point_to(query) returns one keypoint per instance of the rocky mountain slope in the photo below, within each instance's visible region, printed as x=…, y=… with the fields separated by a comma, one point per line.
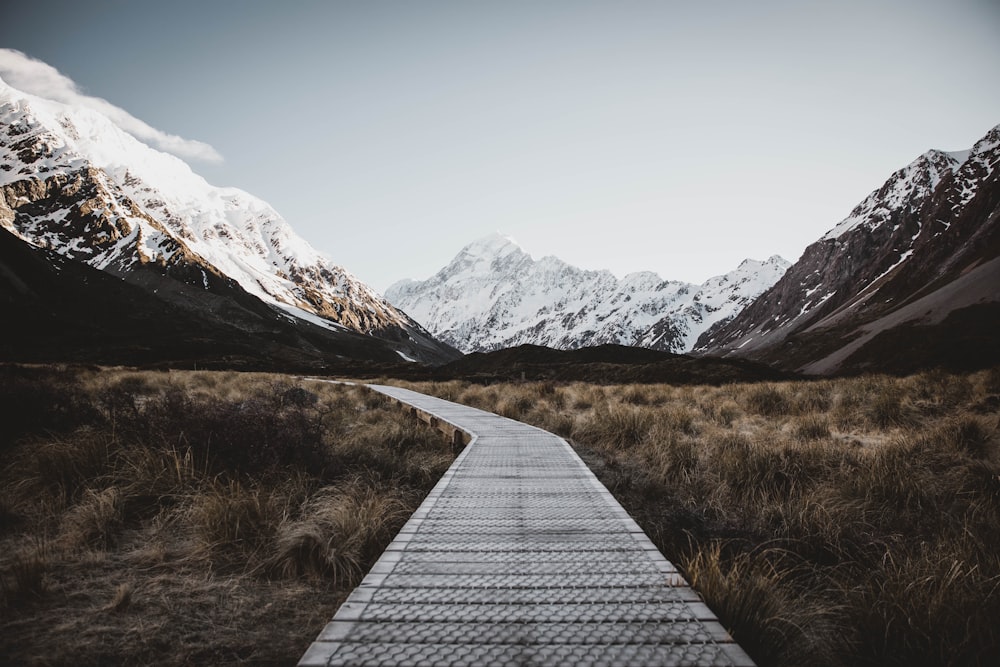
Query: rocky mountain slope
x=73, y=183
x=493, y=295
x=59, y=309
x=910, y=278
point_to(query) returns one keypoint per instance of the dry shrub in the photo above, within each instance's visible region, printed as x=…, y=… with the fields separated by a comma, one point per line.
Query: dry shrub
x=557, y=399
x=812, y=427
x=23, y=573
x=235, y=521
x=65, y=465
x=966, y=434
x=676, y=419
x=41, y=401
x=339, y=535
x=895, y=476
x=755, y=595
x=933, y=607
x=94, y=520
x=122, y=599
x=585, y=396
x=516, y=402
x=555, y=421
x=279, y=426
x=620, y=426
x=722, y=411
x=672, y=458
x=449, y=391
x=152, y=478
x=885, y=409
x=9, y=515
x=636, y=395
x=765, y=472
x=476, y=396
x=389, y=444
x=768, y=400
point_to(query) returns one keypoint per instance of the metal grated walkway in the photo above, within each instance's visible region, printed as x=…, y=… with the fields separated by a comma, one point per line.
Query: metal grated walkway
x=519, y=556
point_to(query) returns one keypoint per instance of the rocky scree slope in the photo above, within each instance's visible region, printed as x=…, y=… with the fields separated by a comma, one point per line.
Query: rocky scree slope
x=494, y=295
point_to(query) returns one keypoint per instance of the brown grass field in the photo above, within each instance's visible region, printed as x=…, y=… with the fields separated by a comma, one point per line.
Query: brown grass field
x=833, y=522
x=192, y=518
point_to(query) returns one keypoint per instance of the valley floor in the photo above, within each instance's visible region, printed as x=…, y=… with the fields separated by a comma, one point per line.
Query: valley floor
x=193, y=518
x=831, y=522
x=181, y=518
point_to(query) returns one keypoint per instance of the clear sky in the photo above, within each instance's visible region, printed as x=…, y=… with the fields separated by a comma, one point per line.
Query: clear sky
x=677, y=137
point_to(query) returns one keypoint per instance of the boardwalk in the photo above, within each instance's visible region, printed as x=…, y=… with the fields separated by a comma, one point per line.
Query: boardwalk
x=519, y=556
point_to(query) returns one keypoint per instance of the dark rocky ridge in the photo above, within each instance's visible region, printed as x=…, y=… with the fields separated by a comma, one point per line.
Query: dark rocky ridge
x=896, y=297
x=60, y=310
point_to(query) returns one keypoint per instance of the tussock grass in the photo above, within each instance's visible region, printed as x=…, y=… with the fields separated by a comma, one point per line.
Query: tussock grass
x=759, y=590
x=834, y=522
x=621, y=426
x=769, y=400
x=173, y=518
x=342, y=529
x=23, y=578
x=812, y=427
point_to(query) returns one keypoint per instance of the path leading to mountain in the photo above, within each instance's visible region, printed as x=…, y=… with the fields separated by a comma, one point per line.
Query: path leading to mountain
x=519, y=556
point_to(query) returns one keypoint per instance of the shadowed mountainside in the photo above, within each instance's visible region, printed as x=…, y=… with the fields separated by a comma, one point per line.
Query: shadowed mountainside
x=63, y=310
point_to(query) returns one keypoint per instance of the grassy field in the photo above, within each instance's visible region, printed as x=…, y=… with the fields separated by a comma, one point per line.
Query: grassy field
x=192, y=518
x=220, y=518
x=835, y=522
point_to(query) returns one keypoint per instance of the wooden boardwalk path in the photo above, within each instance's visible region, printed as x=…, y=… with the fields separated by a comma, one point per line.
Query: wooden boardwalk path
x=519, y=556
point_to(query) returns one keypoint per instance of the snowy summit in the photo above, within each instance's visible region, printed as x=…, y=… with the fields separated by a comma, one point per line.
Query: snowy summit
x=494, y=295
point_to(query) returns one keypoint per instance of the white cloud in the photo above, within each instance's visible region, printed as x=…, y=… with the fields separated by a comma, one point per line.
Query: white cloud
x=41, y=79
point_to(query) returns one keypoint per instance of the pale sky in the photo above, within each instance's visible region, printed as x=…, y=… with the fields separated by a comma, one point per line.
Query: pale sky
x=676, y=137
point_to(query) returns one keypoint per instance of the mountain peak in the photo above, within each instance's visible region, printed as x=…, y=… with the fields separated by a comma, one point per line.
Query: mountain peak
x=904, y=189
x=773, y=260
x=110, y=200
x=494, y=295
x=493, y=245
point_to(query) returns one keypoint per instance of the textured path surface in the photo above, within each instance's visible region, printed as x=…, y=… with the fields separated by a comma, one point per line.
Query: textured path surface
x=520, y=556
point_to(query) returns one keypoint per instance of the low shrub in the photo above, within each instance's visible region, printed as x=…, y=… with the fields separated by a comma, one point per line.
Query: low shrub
x=95, y=520
x=23, y=577
x=812, y=427
x=767, y=400
x=754, y=594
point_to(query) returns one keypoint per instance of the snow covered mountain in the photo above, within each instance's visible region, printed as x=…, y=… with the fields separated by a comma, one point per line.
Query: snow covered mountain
x=911, y=277
x=493, y=295
x=73, y=182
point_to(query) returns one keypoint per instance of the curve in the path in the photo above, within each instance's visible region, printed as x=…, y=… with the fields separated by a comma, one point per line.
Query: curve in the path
x=520, y=556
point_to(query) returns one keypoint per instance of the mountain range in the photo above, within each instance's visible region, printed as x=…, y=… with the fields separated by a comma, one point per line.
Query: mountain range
x=74, y=184
x=111, y=251
x=494, y=295
x=910, y=279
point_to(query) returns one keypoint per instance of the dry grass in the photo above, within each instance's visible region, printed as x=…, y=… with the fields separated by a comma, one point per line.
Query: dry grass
x=192, y=518
x=833, y=522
